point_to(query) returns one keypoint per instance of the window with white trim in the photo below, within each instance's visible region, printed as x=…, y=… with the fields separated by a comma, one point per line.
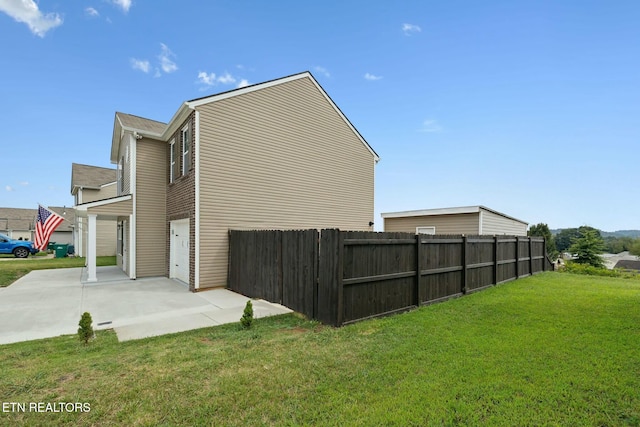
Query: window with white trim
x=186, y=146
x=172, y=161
x=426, y=230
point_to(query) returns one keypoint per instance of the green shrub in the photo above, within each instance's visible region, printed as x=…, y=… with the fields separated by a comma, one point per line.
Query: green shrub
x=577, y=268
x=85, y=331
x=247, y=316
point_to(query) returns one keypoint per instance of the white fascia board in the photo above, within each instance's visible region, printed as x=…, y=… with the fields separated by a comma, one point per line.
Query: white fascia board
x=176, y=121
x=431, y=212
x=108, y=184
x=196, y=148
x=83, y=207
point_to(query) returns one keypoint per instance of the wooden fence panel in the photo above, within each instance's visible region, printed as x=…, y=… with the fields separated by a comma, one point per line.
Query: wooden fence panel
x=379, y=272
x=441, y=270
x=507, y=264
x=255, y=264
x=330, y=290
x=299, y=271
x=481, y=262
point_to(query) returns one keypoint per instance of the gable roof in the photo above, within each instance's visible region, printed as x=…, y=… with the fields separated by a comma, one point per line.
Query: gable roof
x=628, y=264
x=94, y=177
x=161, y=131
x=447, y=211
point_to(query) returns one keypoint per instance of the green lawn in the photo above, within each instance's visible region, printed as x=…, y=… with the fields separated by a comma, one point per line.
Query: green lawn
x=12, y=270
x=553, y=349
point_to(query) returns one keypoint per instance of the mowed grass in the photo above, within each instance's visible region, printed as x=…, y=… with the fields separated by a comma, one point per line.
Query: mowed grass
x=553, y=349
x=12, y=270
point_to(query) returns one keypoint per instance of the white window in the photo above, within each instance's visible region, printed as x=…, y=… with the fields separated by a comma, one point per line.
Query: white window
x=186, y=145
x=172, y=161
x=425, y=230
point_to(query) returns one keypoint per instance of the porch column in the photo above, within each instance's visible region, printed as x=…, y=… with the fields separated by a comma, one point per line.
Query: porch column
x=91, y=249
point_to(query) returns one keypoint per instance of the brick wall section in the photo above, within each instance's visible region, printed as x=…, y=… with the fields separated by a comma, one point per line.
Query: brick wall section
x=181, y=199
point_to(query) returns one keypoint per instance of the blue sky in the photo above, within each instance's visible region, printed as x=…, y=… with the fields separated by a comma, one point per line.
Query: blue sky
x=531, y=108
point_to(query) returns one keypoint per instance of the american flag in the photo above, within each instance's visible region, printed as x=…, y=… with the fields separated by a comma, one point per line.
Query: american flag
x=46, y=223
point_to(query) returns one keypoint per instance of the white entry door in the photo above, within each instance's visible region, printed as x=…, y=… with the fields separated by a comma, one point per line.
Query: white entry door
x=179, y=258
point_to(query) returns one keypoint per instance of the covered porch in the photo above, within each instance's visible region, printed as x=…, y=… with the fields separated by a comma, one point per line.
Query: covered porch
x=118, y=209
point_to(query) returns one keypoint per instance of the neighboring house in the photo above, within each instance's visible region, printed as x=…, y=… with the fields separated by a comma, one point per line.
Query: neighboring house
x=88, y=184
x=275, y=155
x=470, y=220
x=20, y=224
x=628, y=264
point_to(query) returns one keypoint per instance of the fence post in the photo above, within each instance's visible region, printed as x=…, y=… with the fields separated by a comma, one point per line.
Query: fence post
x=544, y=254
x=517, y=257
x=464, y=264
x=495, y=260
x=530, y=256
x=416, y=291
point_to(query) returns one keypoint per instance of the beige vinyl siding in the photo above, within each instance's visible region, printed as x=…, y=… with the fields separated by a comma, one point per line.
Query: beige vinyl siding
x=277, y=158
x=444, y=224
x=497, y=224
x=105, y=228
x=150, y=198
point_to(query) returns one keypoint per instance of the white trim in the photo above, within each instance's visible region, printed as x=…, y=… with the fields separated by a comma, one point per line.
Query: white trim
x=83, y=207
x=133, y=170
x=196, y=152
x=108, y=184
x=91, y=249
x=172, y=160
x=421, y=230
x=131, y=250
x=185, y=136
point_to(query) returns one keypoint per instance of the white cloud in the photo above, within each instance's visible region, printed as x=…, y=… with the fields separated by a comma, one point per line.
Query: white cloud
x=227, y=79
x=166, y=63
x=139, y=64
x=91, y=12
x=409, y=29
x=8, y=188
x=430, y=126
x=212, y=79
x=24, y=183
x=322, y=70
x=207, y=79
x=372, y=77
x=27, y=11
x=125, y=5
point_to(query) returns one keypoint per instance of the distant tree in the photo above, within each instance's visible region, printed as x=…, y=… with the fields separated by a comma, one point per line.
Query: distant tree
x=542, y=230
x=564, y=237
x=588, y=247
x=615, y=245
x=635, y=248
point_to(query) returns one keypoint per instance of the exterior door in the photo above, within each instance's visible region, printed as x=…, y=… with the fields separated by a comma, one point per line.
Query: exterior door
x=179, y=257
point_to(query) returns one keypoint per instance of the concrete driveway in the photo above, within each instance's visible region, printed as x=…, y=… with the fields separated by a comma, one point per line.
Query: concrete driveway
x=48, y=303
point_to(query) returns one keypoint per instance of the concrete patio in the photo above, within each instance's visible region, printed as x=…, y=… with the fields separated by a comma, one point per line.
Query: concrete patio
x=49, y=303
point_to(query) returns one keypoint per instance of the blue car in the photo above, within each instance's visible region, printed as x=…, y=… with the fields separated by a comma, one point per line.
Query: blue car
x=19, y=248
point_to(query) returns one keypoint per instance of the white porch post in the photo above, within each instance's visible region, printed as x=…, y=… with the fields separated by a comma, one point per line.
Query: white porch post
x=91, y=249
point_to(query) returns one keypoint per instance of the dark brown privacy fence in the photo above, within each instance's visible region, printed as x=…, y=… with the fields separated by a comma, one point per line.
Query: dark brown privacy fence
x=340, y=277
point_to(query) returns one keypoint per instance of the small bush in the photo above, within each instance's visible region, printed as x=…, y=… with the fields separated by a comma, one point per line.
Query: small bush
x=247, y=316
x=85, y=331
x=576, y=268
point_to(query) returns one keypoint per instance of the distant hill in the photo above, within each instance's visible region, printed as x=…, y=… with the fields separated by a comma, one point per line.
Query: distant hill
x=619, y=233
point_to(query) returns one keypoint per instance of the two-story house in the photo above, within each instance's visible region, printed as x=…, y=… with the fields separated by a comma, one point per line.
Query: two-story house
x=274, y=155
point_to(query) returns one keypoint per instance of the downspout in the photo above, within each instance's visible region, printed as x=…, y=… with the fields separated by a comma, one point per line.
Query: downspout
x=196, y=148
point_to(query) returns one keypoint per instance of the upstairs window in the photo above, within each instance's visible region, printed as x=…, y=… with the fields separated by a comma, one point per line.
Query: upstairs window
x=185, y=136
x=173, y=165
x=425, y=230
